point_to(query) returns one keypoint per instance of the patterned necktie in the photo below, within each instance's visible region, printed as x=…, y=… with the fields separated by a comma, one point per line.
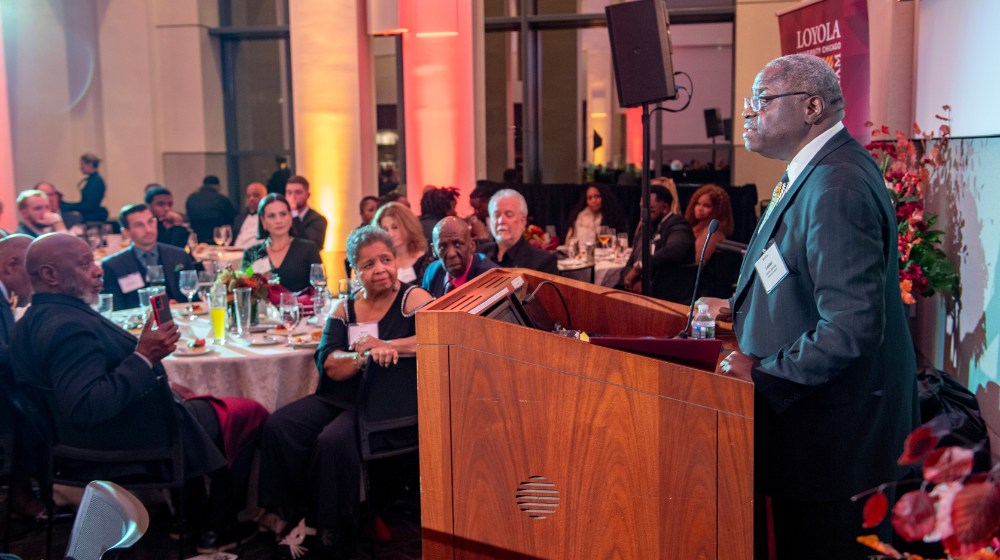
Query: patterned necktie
x=448, y=286
x=779, y=190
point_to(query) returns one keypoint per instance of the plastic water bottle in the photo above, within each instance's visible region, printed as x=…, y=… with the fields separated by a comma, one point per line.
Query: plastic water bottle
x=703, y=325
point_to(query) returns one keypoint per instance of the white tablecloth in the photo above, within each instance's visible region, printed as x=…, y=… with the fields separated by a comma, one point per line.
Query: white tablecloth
x=223, y=255
x=271, y=375
x=606, y=272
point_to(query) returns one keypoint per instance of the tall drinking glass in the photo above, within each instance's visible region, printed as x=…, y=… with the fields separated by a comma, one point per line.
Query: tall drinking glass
x=144, y=303
x=289, y=309
x=343, y=288
x=320, y=304
x=217, y=308
x=104, y=304
x=241, y=300
x=154, y=275
x=188, y=283
x=622, y=243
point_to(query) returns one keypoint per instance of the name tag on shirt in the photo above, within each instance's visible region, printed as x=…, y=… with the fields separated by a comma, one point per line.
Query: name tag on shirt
x=771, y=267
x=131, y=283
x=261, y=266
x=357, y=330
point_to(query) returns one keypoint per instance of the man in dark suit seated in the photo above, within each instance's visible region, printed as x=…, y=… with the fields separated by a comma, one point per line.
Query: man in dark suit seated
x=207, y=210
x=457, y=261
x=245, y=225
x=161, y=203
x=673, y=246
x=107, y=390
x=508, y=218
x=125, y=271
x=818, y=314
x=306, y=222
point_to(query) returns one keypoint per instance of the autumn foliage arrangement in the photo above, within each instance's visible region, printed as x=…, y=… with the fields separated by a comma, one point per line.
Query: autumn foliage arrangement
x=953, y=506
x=232, y=279
x=906, y=166
x=537, y=237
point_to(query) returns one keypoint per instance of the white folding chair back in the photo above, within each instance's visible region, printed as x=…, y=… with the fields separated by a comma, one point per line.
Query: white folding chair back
x=109, y=517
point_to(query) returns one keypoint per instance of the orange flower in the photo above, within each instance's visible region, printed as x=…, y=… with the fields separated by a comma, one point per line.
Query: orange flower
x=905, y=286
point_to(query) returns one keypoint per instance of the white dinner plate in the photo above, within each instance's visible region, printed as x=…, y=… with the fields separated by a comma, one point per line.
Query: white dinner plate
x=264, y=340
x=185, y=351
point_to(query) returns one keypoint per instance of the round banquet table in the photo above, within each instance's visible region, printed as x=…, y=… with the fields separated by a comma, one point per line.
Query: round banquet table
x=271, y=375
x=222, y=255
x=606, y=272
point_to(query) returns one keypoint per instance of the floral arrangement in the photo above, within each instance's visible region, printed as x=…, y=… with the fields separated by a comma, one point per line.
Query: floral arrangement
x=923, y=267
x=537, y=237
x=232, y=279
x=953, y=505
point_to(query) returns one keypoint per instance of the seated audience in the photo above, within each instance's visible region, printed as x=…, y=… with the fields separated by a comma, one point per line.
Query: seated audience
x=287, y=257
x=435, y=205
x=709, y=203
x=36, y=216
x=25, y=456
x=394, y=197
x=310, y=462
x=457, y=261
x=508, y=218
x=412, y=256
x=245, y=225
x=161, y=203
x=659, y=206
x=667, y=182
x=91, y=192
x=108, y=390
x=597, y=208
x=55, y=197
x=672, y=246
x=207, y=209
x=369, y=205
x=307, y=223
x=479, y=199
x=125, y=271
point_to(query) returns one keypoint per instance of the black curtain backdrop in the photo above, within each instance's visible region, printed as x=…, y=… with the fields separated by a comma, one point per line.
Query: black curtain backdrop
x=551, y=204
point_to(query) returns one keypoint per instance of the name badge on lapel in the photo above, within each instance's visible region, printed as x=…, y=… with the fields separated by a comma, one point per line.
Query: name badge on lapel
x=771, y=267
x=131, y=282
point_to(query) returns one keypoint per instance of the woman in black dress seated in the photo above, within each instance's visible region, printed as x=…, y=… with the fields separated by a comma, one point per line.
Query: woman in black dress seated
x=310, y=463
x=280, y=253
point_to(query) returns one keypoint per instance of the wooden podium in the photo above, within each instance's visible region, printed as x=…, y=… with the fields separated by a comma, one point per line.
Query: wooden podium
x=536, y=445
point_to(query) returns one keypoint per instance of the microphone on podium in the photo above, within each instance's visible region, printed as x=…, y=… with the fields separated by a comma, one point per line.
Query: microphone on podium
x=712, y=226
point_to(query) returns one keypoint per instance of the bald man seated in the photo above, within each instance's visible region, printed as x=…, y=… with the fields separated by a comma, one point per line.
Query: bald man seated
x=457, y=261
x=245, y=224
x=107, y=390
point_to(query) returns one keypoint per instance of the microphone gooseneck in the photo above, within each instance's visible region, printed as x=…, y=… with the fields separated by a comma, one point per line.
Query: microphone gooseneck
x=712, y=227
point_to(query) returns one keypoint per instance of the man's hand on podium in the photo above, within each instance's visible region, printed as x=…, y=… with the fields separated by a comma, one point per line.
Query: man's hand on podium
x=737, y=365
x=718, y=308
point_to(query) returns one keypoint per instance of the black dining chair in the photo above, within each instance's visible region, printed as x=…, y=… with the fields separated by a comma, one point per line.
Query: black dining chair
x=386, y=417
x=585, y=274
x=39, y=406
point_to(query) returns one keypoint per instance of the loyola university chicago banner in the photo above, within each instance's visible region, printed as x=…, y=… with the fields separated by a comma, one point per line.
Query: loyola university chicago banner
x=837, y=32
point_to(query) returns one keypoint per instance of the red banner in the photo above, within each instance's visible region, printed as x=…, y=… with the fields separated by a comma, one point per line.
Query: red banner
x=837, y=32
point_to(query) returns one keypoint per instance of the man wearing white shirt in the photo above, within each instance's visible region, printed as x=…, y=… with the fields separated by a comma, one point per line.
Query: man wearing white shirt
x=306, y=222
x=245, y=225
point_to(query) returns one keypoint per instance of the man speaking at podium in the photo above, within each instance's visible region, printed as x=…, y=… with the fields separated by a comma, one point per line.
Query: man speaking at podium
x=819, y=319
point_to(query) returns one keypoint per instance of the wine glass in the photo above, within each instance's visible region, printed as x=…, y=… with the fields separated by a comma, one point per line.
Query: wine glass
x=154, y=275
x=219, y=235
x=289, y=310
x=188, y=283
x=317, y=277
x=344, y=288
x=604, y=235
x=94, y=238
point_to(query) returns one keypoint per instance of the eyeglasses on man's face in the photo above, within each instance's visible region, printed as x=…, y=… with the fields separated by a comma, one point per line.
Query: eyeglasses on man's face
x=757, y=101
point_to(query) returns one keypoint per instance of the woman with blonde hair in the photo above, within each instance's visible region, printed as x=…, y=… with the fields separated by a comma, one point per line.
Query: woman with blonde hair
x=412, y=256
x=709, y=203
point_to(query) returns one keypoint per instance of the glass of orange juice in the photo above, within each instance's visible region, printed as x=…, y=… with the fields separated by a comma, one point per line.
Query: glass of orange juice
x=217, y=309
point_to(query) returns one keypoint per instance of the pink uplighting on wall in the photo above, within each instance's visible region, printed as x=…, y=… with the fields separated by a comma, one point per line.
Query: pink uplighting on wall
x=438, y=86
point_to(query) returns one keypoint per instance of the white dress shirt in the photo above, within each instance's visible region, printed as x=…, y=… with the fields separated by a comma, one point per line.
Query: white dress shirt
x=809, y=151
x=247, y=236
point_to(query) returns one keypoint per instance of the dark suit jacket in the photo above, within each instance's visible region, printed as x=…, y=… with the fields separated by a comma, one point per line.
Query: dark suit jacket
x=522, y=255
x=176, y=236
x=311, y=226
x=105, y=395
x=125, y=262
x=436, y=274
x=673, y=247
x=207, y=210
x=836, y=390
x=21, y=228
x=91, y=197
x=294, y=270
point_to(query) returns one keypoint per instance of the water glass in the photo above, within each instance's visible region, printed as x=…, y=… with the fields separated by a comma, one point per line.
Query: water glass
x=188, y=283
x=241, y=301
x=154, y=275
x=222, y=235
x=317, y=277
x=289, y=310
x=104, y=305
x=344, y=288
x=217, y=303
x=144, y=303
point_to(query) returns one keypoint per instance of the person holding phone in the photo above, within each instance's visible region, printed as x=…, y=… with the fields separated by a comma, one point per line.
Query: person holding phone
x=309, y=448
